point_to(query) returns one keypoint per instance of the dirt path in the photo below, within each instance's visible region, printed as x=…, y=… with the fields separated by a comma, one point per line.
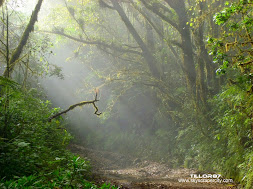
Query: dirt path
x=133, y=174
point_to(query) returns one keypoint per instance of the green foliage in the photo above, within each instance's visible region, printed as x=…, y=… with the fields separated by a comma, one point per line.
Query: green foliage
x=5, y=82
x=232, y=107
x=246, y=168
x=184, y=138
x=32, y=150
x=28, y=142
x=233, y=49
x=72, y=175
x=223, y=142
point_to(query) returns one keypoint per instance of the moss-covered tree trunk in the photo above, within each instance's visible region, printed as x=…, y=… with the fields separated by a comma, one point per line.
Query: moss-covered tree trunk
x=29, y=28
x=150, y=60
x=187, y=46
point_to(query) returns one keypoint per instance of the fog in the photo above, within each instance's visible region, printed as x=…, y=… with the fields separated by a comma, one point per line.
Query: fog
x=131, y=100
x=133, y=121
x=148, y=89
x=120, y=120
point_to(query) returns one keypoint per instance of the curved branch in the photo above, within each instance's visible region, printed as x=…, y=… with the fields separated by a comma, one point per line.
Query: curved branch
x=93, y=102
x=156, y=11
x=103, y=4
x=96, y=42
x=147, y=55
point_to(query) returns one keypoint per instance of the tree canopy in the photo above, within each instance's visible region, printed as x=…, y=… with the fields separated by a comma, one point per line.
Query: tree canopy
x=174, y=80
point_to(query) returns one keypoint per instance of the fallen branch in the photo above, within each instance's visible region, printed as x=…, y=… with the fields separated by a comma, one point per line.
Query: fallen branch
x=93, y=102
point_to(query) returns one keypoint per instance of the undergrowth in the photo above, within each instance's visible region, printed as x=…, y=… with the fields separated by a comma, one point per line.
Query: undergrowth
x=33, y=150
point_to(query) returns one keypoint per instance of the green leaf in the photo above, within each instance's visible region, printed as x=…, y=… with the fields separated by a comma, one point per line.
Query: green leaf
x=8, y=83
x=23, y=144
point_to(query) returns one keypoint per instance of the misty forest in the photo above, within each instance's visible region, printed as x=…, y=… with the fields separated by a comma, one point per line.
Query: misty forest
x=126, y=94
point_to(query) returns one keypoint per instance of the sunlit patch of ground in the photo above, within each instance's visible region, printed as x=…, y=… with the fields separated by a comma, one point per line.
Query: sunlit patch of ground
x=131, y=174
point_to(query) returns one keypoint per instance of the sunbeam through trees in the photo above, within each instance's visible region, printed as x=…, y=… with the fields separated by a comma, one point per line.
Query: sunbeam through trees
x=126, y=94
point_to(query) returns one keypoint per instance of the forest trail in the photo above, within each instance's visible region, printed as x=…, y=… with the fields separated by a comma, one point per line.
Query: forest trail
x=130, y=173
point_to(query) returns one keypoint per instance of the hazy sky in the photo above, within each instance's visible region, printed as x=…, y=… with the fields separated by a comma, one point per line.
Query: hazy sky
x=27, y=6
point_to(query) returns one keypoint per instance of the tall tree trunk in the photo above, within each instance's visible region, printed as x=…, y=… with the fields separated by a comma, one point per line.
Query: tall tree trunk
x=202, y=58
x=1, y=2
x=7, y=102
x=184, y=30
x=150, y=60
x=186, y=45
x=29, y=28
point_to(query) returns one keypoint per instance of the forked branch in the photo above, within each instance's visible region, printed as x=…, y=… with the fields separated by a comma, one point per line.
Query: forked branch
x=93, y=102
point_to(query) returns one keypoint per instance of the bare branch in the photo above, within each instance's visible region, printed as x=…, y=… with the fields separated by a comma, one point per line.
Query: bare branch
x=103, y=4
x=93, y=102
x=161, y=15
x=96, y=42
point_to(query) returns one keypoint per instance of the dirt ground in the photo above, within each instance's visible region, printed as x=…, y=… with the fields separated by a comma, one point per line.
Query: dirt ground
x=129, y=173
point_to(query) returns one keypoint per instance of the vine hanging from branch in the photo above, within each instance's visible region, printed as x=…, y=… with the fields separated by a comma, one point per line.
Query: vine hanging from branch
x=93, y=102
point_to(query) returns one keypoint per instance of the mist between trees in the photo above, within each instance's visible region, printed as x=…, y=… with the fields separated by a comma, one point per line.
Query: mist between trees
x=171, y=78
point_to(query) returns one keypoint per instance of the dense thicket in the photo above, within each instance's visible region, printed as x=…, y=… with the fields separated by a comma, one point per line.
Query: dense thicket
x=32, y=150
